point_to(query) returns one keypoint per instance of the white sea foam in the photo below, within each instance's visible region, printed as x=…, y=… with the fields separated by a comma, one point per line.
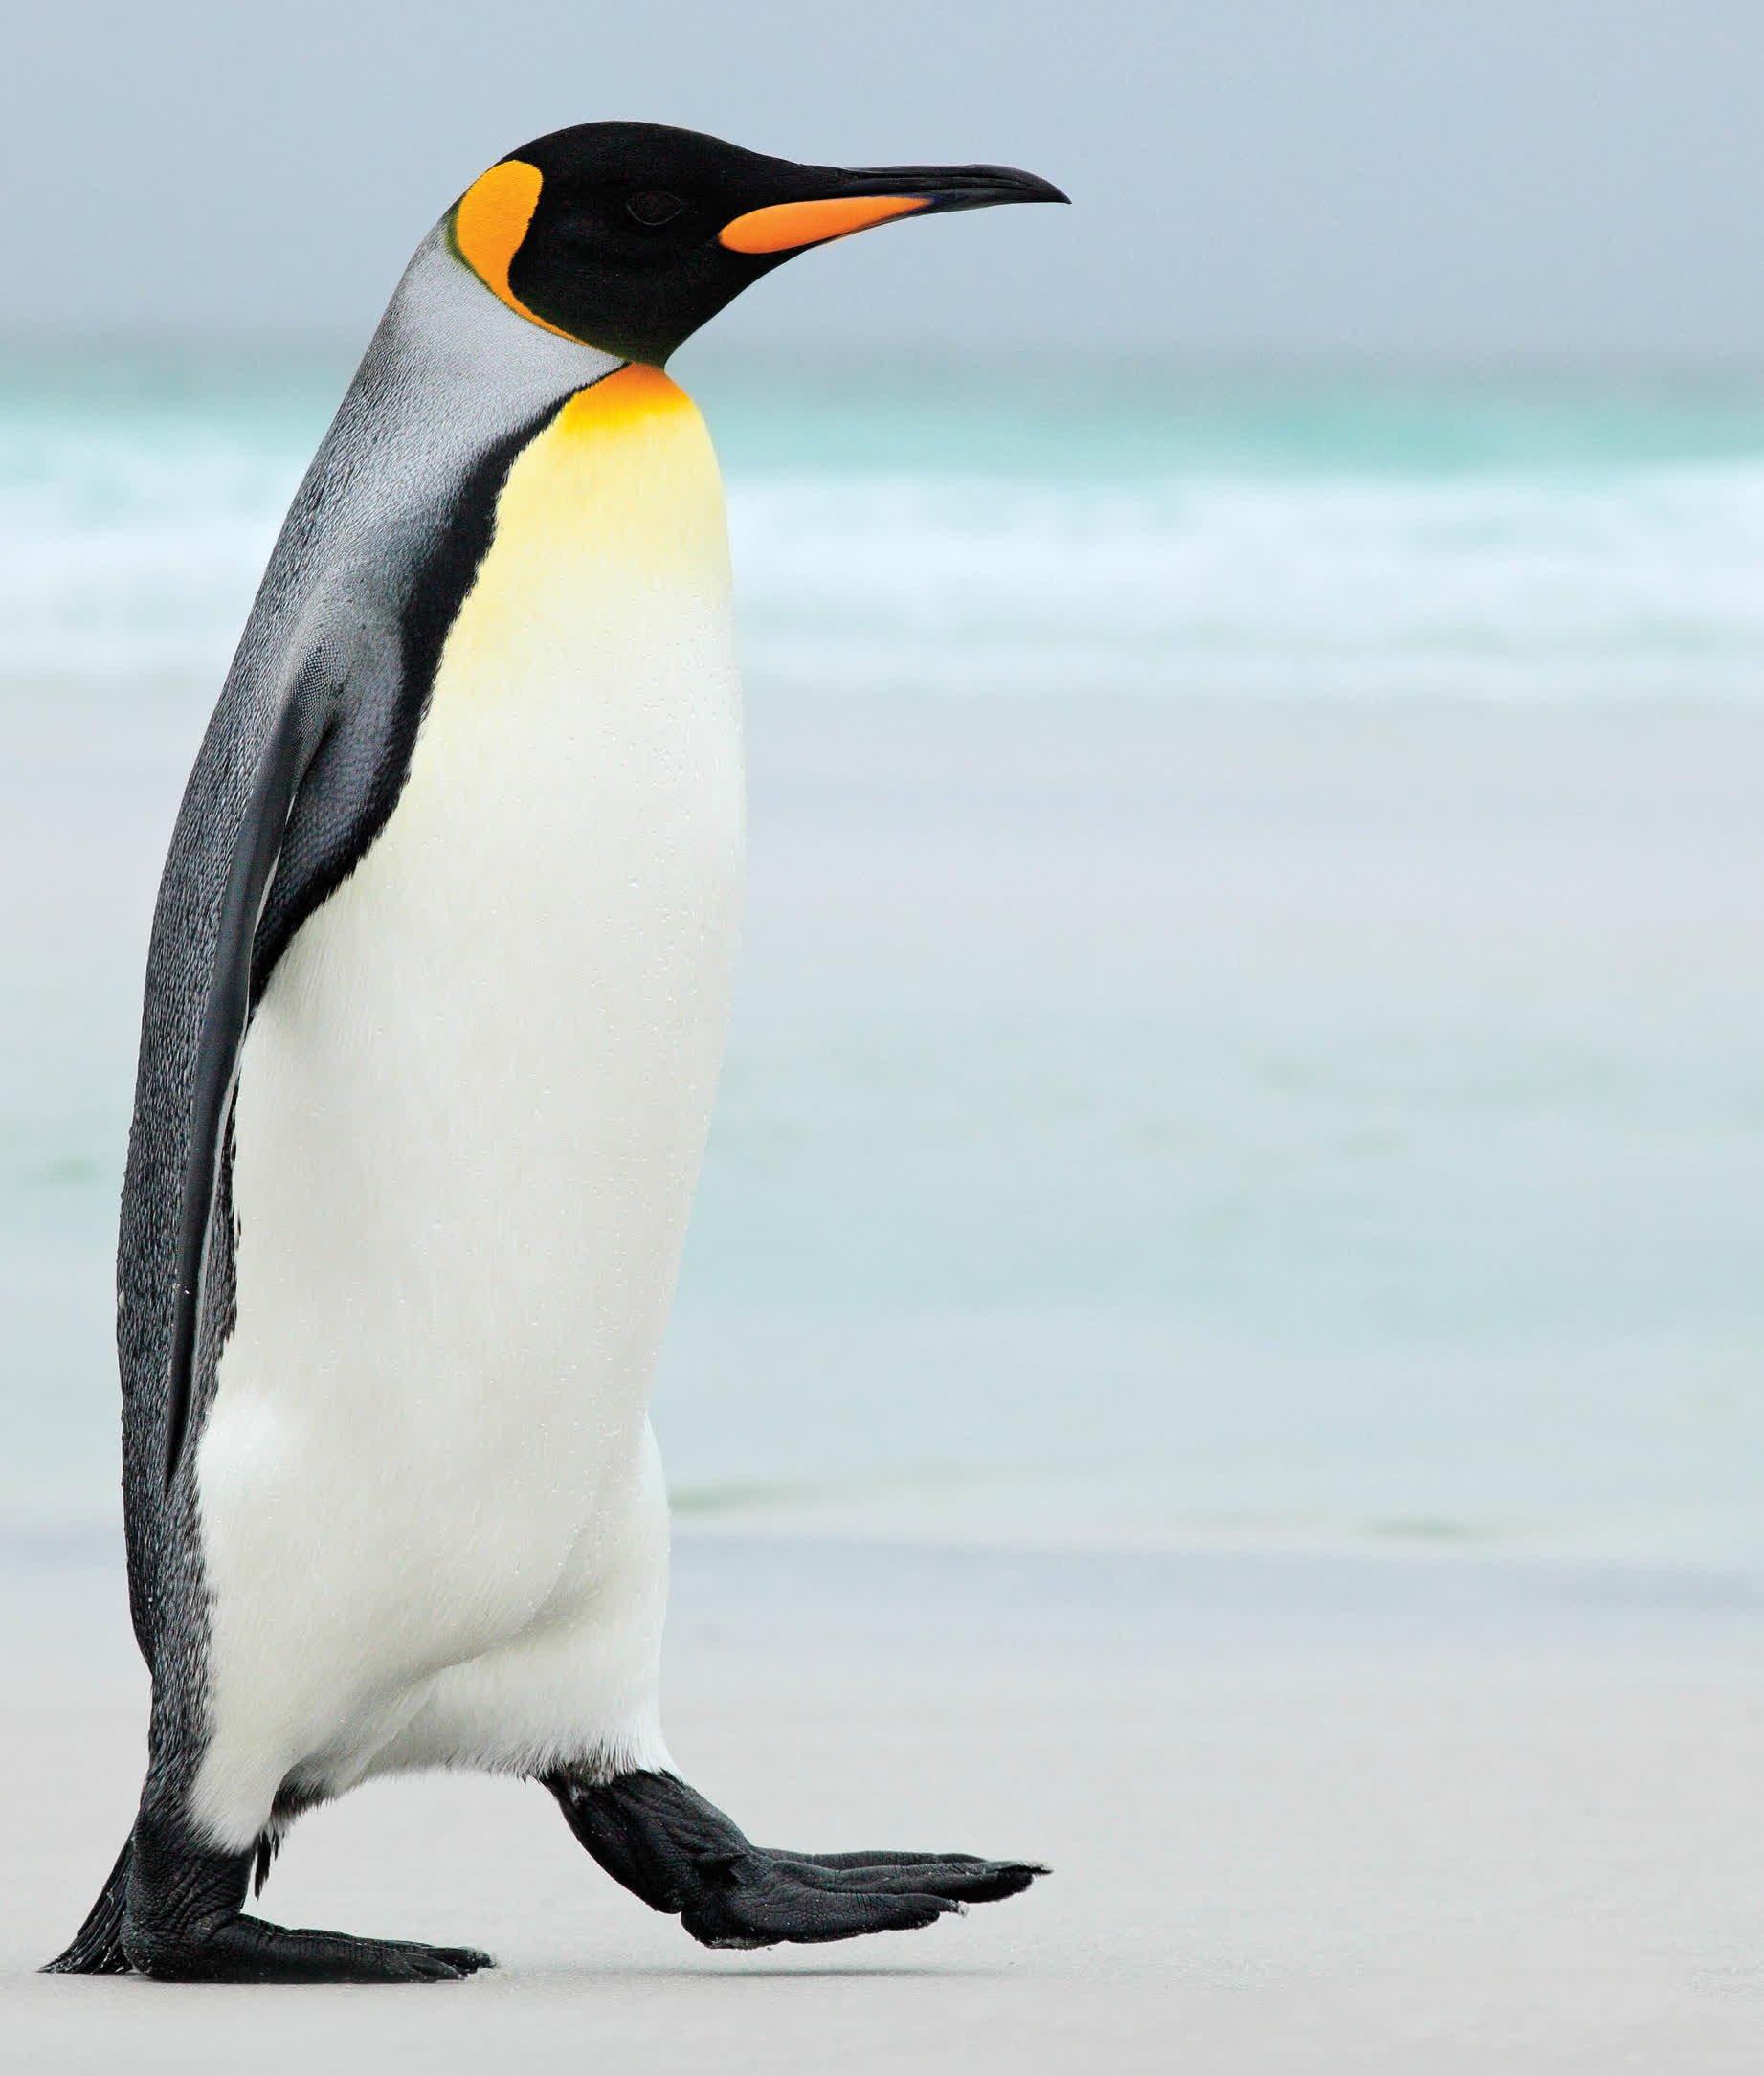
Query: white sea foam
x=132, y=550
x=1504, y=585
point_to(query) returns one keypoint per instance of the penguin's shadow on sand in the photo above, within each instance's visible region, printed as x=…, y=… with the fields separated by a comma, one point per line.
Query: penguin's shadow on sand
x=739, y=1972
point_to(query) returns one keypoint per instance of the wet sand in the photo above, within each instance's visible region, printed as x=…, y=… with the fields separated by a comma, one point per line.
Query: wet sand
x=1308, y=1813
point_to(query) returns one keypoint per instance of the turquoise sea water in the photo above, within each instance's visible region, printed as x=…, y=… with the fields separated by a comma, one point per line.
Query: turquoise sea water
x=1252, y=1020
x=1085, y=529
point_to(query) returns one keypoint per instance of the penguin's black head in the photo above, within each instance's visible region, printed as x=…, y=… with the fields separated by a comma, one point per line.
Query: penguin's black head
x=630, y=236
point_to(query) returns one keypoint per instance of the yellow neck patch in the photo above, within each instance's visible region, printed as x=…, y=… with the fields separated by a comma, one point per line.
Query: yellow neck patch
x=618, y=499
x=636, y=391
x=489, y=223
x=628, y=466
x=608, y=570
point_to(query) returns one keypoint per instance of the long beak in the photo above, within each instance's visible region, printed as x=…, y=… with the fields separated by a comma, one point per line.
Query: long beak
x=867, y=195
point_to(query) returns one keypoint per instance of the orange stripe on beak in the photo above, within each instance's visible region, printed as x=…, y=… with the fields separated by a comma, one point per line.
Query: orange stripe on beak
x=789, y=224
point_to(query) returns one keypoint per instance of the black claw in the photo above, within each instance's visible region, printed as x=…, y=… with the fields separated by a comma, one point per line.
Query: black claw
x=455, y=1961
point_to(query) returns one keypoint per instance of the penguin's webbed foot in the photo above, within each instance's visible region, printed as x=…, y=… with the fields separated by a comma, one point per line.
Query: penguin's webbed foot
x=668, y=1845
x=251, y=1949
x=183, y=1922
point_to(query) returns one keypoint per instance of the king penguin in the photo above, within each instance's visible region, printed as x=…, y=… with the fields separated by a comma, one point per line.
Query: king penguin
x=435, y=1003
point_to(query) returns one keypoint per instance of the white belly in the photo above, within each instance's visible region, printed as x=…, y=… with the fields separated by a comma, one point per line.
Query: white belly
x=471, y=1112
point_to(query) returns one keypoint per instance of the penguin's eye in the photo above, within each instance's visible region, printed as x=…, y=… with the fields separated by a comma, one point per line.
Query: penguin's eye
x=653, y=208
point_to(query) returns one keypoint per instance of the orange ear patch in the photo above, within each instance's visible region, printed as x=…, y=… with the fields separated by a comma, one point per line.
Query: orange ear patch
x=490, y=222
x=789, y=224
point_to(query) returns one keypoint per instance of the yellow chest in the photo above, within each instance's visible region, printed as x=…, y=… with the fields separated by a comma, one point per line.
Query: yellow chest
x=581, y=754
x=609, y=564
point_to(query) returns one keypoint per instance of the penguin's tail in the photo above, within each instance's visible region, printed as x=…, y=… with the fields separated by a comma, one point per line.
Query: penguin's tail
x=96, y=1949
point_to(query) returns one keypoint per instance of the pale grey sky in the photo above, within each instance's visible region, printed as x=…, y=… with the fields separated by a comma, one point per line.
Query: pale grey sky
x=1386, y=179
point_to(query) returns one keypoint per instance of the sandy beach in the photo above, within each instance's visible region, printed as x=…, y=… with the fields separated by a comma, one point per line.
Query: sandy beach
x=1310, y=1813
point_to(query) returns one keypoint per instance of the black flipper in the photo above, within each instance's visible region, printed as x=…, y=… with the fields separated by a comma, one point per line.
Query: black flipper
x=184, y=1923
x=665, y=1843
x=224, y=1018
x=97, y=1947
x=344, y=659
